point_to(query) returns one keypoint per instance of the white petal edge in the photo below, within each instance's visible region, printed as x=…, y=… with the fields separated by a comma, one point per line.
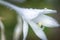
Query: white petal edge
x=18, y=29
x=48, y=11
x=38, y=31
x=2, y=31
x=25, y=30
x=46, y=21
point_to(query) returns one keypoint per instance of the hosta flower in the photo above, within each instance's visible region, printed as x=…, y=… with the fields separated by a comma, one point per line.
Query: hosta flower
x=33, y=17
x=33, y=20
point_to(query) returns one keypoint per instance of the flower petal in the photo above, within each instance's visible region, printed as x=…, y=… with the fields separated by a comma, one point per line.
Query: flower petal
x=29, y=13
x=2, y=30
x=38, y=31
x=46, y=21
x=18, y=29
x=32, y=13
x=47, y=11
x=25, y=30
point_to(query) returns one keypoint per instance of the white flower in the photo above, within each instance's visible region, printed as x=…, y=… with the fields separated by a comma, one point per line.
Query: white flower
x=32, y=17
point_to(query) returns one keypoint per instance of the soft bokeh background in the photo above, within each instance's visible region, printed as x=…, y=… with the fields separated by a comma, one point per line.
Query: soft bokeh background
x=9, y=18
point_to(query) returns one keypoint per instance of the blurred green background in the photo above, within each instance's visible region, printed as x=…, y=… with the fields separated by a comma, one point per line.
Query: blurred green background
x=9, y=18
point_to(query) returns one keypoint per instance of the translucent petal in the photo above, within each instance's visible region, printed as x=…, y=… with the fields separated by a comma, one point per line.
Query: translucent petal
x=25, y=30
x=18, y=29
x=46, y=21
x=38, y=31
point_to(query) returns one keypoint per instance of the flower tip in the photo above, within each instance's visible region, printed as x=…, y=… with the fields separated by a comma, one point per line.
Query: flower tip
x=57, y=25
x=55, y=11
